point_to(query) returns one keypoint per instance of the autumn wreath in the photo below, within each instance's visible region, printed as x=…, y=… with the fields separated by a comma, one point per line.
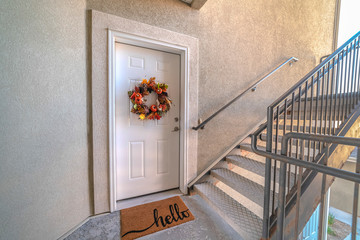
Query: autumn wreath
x=156, y=110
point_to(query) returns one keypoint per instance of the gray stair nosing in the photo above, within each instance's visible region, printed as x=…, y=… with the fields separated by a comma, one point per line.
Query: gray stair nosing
x=242, y=191
x=222, y=213
x=236, y=162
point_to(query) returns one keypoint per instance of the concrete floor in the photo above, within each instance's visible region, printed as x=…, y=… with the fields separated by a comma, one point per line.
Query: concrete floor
x=207, y=225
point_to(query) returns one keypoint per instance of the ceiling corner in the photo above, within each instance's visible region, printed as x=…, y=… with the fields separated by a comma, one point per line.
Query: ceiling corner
x=196, y=4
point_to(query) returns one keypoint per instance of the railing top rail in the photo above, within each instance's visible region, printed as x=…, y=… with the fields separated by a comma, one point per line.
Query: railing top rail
x=318, y=137
x=354, y=177
x=314, y=71
x=252, y=88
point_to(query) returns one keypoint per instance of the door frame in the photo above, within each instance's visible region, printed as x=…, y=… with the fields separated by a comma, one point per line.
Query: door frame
x=120, y=37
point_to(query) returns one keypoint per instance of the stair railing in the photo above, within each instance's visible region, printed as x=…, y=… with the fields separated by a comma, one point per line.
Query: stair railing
x=317, y=167
x=318, y=104
x=252, y=88
x=289, y=61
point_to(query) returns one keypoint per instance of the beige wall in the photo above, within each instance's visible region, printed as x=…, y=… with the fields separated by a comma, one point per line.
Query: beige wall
x=44, y=171
x=239, y=41
x=44, y=176
x=342, y=191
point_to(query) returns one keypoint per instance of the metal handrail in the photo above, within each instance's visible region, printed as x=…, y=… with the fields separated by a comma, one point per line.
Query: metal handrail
x=354, y=177
x=315, y=70
x=340, y=82
x=324, y=57
x=311, y=165
x=252, y=88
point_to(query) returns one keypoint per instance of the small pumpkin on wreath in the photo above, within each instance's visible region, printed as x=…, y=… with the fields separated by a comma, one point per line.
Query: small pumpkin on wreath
x=156, y=110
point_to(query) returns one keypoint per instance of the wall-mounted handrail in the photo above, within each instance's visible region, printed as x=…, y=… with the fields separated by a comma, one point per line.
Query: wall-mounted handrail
x=252, y=88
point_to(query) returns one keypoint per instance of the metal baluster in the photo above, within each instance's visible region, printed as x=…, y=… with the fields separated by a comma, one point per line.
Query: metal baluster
x=276, y=151
x=291, y=141
x=343, y=87
x=336, y=93
x=355, y=71
x=346, y=82
x=322, y=104
x=348, y=109
x=358, y=71
x=311, y=108
x=340, y=86
x=331, y=122
x=306, y=91
x=316, y=108
x=326, y=97
x=352, y=78
x=355, y=199
x=284, y=129
x=298, y=122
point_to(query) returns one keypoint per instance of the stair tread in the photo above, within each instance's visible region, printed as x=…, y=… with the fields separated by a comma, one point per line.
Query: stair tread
x=243, y=185
x=247, y=147
x=254, y=166
x=247, y=163
x=240, y=218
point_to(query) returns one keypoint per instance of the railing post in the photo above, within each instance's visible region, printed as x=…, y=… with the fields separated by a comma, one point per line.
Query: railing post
x=298, y=193
x=323, y=204
x=267, y=192
x=356, y=199
x=281, y=197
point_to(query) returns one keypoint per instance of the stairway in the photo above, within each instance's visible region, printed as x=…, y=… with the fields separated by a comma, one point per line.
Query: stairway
x=325, y=102
x=235, y=189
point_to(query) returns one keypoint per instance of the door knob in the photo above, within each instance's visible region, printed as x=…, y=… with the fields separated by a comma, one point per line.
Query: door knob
x=176, y=129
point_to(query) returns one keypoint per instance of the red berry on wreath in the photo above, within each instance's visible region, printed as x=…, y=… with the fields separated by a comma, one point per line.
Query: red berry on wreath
x=138, y=95
x=159, y=90
x=138, y=101
x=157, y=116
x=133, y=95
x=153, y=108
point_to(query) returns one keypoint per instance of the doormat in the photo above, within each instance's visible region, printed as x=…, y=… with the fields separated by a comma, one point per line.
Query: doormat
x=142, y=220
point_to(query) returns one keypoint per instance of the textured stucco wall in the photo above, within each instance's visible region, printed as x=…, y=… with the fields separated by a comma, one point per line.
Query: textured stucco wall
x=239, y=41
x=342, y=191
x=44, y=171
x=44, y=180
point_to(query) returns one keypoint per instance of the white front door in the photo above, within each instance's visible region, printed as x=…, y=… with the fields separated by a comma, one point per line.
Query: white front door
x=147, y=151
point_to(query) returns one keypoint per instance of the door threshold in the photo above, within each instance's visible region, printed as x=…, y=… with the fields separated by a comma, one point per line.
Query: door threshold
x=131, y=202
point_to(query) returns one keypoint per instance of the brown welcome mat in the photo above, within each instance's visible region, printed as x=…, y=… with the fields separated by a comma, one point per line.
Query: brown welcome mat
x=152, y=217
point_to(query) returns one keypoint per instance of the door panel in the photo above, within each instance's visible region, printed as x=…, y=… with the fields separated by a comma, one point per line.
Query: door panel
x=147, y=152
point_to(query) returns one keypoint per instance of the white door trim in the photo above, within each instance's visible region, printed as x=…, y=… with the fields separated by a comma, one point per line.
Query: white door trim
x=115, y=36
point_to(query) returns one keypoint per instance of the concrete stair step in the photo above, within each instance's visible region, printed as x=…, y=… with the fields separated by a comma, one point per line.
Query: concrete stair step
x=245, y=222
x=254, y=170
x=247, y=147
x=248, y=164
x=253, y=193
